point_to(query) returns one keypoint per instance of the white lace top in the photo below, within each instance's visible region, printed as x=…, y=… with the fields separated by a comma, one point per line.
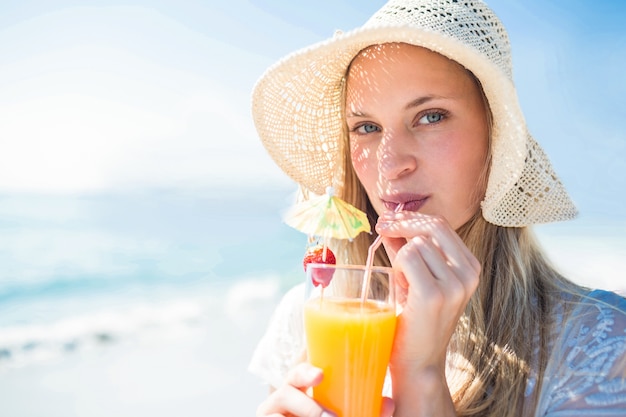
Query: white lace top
x=585, y=374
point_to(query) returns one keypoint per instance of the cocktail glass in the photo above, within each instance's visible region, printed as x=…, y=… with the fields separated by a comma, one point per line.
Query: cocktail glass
x=349, y=333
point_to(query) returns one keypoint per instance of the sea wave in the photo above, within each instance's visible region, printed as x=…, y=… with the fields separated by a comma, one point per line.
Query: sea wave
x=245, y=303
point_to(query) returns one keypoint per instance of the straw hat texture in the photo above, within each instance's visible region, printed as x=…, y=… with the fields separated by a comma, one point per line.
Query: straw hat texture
x=297, y=105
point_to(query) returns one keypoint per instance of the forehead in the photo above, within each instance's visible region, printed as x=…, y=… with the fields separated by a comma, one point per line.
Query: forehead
x=407, y=70
x=390, y=56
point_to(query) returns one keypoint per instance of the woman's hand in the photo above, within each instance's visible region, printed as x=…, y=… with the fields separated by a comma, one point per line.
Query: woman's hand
x=291, y=398
x=437, y=276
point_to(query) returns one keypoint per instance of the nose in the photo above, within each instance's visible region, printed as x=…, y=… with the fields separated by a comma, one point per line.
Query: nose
x=396, y=155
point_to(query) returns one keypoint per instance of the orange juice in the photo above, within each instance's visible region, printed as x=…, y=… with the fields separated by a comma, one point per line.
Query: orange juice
x=351, y=342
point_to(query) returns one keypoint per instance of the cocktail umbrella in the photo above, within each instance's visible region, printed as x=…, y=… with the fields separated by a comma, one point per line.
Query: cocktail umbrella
x=324, y=217
x=327, y=216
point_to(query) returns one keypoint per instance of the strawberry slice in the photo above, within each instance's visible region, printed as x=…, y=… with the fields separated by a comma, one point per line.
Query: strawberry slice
x=316, y=255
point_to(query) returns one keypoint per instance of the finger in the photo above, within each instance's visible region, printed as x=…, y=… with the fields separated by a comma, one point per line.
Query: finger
x=447, y=264
x=304, y=375
x=289, y=400
x=291, y=397
x=401, y=290
x=434, y=258
x=407, y=225
x=392, y=246
x=453, y=273
x=414, y=269
x=456, y=284
x=395, y=225
x=387, y=408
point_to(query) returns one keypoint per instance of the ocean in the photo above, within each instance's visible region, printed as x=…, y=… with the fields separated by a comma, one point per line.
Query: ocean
x=86, y=275
x=150, y=302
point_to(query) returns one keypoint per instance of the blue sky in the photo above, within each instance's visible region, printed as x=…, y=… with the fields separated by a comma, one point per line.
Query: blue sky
x=111, y=95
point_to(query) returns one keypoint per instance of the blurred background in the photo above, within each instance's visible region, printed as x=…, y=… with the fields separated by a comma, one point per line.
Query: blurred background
x=141, y=242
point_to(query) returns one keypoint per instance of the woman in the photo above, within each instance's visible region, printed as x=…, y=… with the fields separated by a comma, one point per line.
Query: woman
x=418, y=108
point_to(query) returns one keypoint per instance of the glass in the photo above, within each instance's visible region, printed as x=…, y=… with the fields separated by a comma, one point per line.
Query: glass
x=349, y=334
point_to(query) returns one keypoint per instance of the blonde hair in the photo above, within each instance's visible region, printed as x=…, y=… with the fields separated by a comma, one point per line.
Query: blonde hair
x=490, y=354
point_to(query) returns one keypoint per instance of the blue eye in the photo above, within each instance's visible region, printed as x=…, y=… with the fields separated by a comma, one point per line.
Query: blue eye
x=431, y=118
x=367, y=128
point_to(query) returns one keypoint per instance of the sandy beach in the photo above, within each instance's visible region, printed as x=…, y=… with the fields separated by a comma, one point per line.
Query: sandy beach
x=192, y=368
x=171, y=375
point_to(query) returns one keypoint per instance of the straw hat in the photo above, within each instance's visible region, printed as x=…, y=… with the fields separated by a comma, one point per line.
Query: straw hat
x=297, y=105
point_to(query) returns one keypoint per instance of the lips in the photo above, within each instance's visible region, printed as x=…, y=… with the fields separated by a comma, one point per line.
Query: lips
x=412, y=202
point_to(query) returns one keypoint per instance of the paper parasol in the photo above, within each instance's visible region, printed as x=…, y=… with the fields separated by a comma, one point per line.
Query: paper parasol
x=327, y=216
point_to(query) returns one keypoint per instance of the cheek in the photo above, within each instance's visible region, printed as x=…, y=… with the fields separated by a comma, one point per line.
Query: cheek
x=363, y=161
x=469, y=162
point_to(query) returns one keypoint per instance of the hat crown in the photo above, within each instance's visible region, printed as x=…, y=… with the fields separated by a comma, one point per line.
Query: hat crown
x=471, y=22
x=297, y=105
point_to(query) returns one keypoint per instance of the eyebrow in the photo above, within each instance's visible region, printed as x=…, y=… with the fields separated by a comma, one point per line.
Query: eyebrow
x=415, y=103
x=422, y=100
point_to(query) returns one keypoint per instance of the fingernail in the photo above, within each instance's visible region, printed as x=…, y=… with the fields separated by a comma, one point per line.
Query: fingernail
x=314, y=372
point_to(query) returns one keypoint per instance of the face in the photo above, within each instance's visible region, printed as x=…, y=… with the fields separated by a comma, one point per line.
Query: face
x=418, y=131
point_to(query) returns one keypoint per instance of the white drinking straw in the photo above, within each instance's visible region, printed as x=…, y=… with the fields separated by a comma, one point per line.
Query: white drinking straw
x=370, y=260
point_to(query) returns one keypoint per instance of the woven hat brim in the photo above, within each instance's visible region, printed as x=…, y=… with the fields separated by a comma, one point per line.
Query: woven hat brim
x=537, y=197
x=297, y=109
x=304, y=90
